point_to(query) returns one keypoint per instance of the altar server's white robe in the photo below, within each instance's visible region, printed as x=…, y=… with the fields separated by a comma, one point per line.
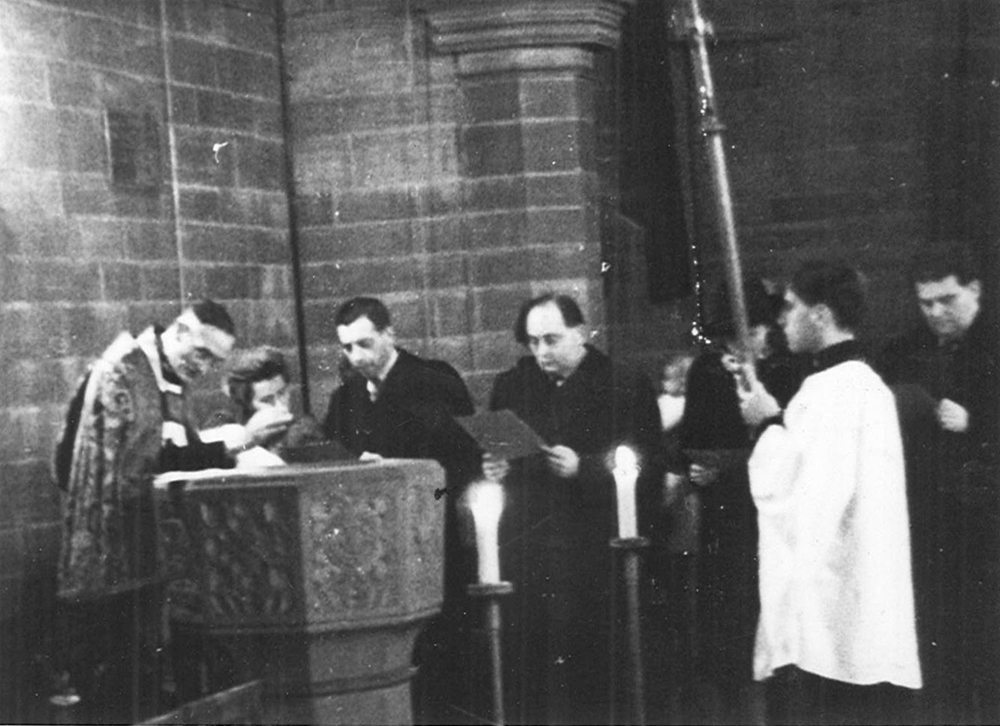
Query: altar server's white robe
x=836, y=588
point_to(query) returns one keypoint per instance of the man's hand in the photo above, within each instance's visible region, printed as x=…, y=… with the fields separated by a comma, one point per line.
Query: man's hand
x=562, y=461
x=756, y=404
x=702, y=475
x=495, y=469
x=952, y=416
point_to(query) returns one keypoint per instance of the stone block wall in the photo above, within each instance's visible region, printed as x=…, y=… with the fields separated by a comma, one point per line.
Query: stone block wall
x=375, y=158
x=448, y=164
x=451, y=156
x=194, y=206
x=974, y=155
x=848, y=135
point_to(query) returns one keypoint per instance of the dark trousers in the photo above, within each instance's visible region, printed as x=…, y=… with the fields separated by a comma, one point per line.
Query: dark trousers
x=110, y=648
x=448, y=654
x=558, y=654
x=796, y=697
x=957, y=586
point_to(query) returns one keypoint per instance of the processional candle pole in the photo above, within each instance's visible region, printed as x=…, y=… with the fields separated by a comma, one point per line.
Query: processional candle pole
x=629, y=543
x=485, y=500
x=697, y=31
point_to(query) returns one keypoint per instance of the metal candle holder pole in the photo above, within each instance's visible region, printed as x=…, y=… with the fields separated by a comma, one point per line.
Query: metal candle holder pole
x=631, y=548
x=490, y=593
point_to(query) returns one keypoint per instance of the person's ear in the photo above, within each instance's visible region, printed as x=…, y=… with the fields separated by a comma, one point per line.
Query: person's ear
x=975, y=287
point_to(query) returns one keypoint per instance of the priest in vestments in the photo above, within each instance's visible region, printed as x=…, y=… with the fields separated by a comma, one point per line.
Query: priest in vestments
x=129, y=421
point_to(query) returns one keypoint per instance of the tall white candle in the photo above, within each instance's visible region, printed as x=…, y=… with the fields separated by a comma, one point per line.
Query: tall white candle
x=486, y=503
x=626, y=475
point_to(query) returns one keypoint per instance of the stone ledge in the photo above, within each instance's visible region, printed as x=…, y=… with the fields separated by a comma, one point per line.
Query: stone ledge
x=552, y=60
x=522, y=24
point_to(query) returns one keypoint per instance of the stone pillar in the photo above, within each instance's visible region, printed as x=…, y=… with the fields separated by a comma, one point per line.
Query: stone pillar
x=528, y=151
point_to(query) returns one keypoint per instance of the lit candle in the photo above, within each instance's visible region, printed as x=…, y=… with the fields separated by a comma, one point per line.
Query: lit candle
x=486, y=502
x=626, y=474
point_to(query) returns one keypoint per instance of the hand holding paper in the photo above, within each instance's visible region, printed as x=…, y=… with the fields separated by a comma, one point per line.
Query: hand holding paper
x=495, y=469
x=562, y=461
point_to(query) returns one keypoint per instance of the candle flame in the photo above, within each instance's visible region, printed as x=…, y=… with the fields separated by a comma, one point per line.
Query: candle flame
x=625, y=459
x=485, y=501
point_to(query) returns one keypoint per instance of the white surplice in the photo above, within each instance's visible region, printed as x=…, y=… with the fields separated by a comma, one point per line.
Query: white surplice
x=836, y=587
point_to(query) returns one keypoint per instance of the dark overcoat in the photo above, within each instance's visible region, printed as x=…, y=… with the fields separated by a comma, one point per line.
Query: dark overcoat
x=412, y=416
x=555, y=533
x=953, y=487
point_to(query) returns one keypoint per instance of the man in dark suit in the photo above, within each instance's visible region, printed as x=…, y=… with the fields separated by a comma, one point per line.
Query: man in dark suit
x=944, y=374
x=554, y=544
x=394, y=404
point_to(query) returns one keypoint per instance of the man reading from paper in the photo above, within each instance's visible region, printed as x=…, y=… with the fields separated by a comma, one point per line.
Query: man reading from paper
x=559, y=520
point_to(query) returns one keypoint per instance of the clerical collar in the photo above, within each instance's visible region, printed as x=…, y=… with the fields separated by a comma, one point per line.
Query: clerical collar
x=151, y=345
x=169, y=374
x=836, y=354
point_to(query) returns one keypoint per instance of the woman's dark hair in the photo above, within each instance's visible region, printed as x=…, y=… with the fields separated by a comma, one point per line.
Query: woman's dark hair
x=571, y=314
x=259, y=364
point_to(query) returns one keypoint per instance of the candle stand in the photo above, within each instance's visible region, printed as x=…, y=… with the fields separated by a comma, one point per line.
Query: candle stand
x=630, y=548
x=490, y=593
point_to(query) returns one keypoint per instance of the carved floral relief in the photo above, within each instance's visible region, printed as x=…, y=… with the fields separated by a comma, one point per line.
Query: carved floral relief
x=250, y=548
x=350, y=542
